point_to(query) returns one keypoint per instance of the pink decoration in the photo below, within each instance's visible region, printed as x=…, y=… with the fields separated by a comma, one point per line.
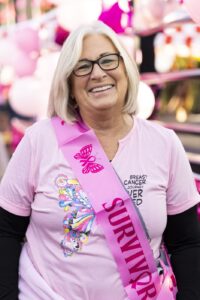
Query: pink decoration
x=23, y=64
x=149, y=14
x=11, y=55
x=27, y=39
x=113, y=18
x=193, y=9
x=197, y=181
x=60, y=35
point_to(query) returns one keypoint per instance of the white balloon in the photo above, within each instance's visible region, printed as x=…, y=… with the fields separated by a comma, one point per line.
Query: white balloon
x=128, y=42
x=73, y=13
x=29, y=96
x=7, y=75
x=108, y=3
x=8, y=49
x=124, y=5
x=46, y=66
x=145, y=101
x=148, y=13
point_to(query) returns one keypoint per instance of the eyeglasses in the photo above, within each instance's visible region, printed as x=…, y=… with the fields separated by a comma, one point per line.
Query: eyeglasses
x=106, y=63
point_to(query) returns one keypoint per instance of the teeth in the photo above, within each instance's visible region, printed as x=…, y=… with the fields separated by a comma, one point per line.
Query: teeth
x=101, y=88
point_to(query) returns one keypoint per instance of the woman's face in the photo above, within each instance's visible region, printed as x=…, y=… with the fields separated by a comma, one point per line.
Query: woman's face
x=100, y=90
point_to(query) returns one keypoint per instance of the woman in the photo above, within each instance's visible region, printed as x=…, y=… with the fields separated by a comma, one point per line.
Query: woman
x=66, y=254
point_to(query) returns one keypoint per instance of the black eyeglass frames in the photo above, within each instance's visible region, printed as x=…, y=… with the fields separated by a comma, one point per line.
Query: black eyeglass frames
x=106, y=63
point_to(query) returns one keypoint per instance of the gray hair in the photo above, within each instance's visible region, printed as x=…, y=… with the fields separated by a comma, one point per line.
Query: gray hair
x=60, y=102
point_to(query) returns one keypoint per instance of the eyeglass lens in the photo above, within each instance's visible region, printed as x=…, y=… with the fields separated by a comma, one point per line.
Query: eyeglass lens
x=106, y=62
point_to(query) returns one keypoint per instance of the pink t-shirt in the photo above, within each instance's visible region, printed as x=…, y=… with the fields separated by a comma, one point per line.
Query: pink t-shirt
x=64, y=242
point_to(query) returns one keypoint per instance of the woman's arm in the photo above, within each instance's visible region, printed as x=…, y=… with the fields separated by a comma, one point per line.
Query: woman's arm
x=12, y=232
x=182, y=239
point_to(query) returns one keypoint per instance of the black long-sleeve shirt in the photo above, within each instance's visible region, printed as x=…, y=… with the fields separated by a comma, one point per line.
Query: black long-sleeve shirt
x=181, y=236
x=182, y=239
x=12, y=232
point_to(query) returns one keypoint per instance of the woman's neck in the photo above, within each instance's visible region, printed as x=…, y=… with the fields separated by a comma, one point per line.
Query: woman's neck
x=109, y=129
x=110, y=126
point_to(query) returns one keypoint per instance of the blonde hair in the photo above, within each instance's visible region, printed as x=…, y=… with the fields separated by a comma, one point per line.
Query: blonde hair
x=60, y=102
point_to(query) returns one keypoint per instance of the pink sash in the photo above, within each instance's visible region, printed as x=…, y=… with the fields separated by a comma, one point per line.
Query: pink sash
x=115, y=213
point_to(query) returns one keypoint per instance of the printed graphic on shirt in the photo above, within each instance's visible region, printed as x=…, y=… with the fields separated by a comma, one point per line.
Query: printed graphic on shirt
x=79, y=216
x=135, y=187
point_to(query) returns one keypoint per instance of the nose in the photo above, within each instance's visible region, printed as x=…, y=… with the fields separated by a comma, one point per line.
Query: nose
x=97, y=71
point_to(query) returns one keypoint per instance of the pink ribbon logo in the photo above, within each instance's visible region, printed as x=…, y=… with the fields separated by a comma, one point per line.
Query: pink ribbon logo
x=87, y=160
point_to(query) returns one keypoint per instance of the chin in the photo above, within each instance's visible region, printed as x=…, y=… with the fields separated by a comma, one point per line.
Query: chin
x=104, y=102
x=105, y=106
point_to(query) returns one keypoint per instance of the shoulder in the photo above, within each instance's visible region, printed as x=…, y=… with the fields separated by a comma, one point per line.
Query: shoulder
x=38, y=126
x=155, y=136
x=41, y=135
x=154, y=130
x=39, y=129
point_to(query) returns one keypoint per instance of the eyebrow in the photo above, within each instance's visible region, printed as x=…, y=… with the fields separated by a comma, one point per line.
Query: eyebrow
x=101, y=55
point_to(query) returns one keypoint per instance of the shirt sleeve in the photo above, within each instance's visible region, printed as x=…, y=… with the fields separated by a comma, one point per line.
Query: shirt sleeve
x=12, y=232
x=181, y=192
x=183, y=243
x=17, y=185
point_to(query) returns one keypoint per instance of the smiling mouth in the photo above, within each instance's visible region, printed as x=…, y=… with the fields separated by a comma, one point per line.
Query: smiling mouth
x=101, y=88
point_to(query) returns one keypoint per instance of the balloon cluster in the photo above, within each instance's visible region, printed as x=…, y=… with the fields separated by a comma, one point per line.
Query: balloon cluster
x=29, y=53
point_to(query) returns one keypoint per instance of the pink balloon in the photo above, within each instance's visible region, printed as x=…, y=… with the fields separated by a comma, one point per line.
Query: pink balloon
x=11, y=55
x=27, y=39
x=23, y=64
x=193, y=9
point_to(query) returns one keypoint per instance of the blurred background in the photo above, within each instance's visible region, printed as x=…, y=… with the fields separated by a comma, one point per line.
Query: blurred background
x=163, y=36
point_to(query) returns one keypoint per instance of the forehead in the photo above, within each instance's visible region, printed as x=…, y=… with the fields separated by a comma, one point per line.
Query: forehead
x=95, y=45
